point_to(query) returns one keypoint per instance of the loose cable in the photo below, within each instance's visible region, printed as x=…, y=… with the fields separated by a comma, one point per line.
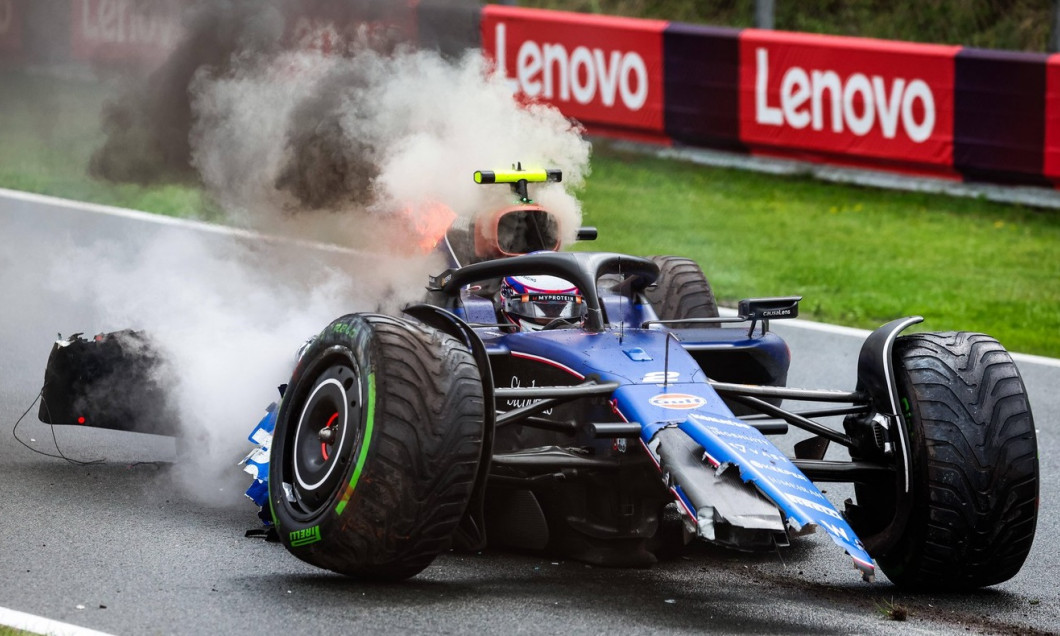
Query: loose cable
x=55, y=440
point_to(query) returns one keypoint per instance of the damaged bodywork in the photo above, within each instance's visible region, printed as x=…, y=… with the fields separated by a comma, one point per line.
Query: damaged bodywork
x=114, y=380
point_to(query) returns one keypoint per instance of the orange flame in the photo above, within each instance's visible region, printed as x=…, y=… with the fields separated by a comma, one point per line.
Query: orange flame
x=430, y=222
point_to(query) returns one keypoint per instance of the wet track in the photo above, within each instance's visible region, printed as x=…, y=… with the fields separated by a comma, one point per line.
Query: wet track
x=115, y=548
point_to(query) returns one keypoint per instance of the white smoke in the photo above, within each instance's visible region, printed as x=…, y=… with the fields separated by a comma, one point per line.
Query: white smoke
x=410, y=128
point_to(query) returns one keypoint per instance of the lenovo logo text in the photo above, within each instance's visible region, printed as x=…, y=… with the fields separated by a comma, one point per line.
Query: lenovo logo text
x=857, y=103
x=551, y=71
x=126, y=22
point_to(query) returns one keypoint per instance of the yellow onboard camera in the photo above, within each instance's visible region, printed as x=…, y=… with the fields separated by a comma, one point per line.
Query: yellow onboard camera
x=519, y=178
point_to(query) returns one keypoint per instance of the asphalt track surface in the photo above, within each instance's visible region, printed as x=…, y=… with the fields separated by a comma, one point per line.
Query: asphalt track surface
x=114, y=547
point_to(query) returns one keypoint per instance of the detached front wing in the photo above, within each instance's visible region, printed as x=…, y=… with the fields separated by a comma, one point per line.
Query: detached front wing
x=116, y=381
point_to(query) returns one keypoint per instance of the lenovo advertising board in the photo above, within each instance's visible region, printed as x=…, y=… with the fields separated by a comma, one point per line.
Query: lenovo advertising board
x=606, y=72
x=144, y=33
x=338, y=27
x=855, y=99
x=124, y=31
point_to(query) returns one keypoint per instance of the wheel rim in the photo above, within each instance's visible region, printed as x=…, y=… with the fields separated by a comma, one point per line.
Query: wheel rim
x=327, y=430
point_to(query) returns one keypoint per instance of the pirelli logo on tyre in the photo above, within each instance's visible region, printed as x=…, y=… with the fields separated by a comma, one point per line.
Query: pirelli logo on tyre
x=304, y=536
x=677, y=401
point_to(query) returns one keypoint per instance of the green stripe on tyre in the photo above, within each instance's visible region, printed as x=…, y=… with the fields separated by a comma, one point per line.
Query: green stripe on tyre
x=363, y=454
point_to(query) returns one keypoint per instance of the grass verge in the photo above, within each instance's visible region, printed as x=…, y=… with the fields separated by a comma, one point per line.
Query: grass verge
x=49, y=129
x=859, y=256
x=999, y=24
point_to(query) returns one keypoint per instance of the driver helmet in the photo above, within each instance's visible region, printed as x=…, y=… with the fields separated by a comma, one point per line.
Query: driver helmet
x=531, y=302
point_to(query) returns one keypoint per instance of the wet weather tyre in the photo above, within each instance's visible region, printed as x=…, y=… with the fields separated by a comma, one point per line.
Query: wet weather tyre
x=682, y=290
x=376, y=447
x=970, y=517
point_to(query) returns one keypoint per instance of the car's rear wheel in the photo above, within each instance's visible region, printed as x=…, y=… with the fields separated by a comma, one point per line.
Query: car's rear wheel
x=969, y=518
x=681, y=291
x=376, y=447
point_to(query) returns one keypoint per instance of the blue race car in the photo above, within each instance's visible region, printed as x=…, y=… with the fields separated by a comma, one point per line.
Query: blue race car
x=596, y=406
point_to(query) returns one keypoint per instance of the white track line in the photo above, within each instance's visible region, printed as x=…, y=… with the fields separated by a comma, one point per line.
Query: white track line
x=1025, y=358
x=159, y=219
x=125, y=213
x=78, y=206
x=854, y=332
x=38, y=625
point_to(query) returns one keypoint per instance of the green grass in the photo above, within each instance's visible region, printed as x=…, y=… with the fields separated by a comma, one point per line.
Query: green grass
x=1000, y=24
x=48, y=132
x=859, y=256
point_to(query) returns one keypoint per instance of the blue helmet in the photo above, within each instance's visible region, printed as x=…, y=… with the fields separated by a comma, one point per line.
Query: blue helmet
x=531, y=302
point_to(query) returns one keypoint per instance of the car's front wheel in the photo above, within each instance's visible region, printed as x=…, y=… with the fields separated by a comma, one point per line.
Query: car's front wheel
x=376, y=447
x=969, y=517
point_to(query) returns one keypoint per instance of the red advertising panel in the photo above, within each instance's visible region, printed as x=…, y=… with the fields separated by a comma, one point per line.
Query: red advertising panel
x=1051, y=160
x=337, y=27
x=10, y=27
x=855, y=98
x=124, y=30
x=146, y=32
x=603, y=71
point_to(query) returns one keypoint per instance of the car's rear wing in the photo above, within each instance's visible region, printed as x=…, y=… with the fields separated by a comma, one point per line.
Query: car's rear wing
x=750, y=310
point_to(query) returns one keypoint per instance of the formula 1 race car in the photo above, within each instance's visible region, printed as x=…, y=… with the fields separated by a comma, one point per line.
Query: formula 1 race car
x=596, y=406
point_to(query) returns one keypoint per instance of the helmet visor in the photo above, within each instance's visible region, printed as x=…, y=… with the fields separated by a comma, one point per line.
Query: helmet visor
x=544, y=308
